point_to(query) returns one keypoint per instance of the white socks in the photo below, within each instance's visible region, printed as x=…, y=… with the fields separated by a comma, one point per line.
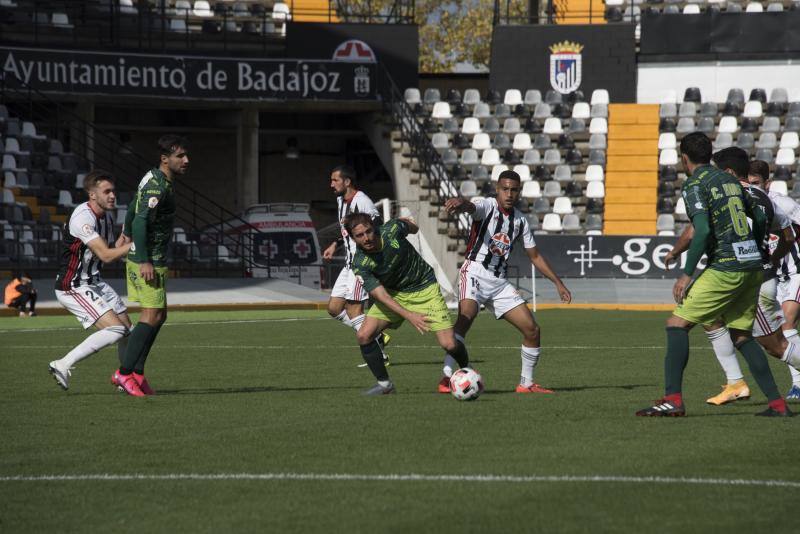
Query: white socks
x=98, y=340
x=726, y=353
x=530, y=357
x=792, y=354
x=356, y=322
x=345, y=319
x=450, y=363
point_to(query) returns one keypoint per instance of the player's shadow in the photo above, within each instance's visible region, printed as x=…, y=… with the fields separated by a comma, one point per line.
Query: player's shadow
x=252, y=389
x=434, y=362
x=627, y=387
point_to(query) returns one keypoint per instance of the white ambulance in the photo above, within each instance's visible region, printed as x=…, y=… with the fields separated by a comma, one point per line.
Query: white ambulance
x=284, y=243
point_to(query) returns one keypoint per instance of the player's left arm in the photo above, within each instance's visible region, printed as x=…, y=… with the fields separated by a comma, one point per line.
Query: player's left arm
x=419, y=321
x=411, y=226
x=543, y=266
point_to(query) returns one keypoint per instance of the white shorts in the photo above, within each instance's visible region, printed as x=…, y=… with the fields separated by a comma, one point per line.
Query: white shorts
x=769, y=316
x=90, y=302
x=348, y=286
x=478, y=284
x=789, y=289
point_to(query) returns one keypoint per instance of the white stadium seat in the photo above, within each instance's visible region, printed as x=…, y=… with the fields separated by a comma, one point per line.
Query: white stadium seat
x=202, y=8
x=490, y=157
x=522, y=142
x=471, y=126
x=496, y=170
x=668, y=156
x=667, y=140
x=753, y=109
x=598, y=126
x=524, y=172
x=594, y=173
x=412, y=96
x=790, y=140
x=581, y=110
x=562, y=205
x=599, y=96
x=754, y=7
x=551, y=223
x=531, y=190
x=481, y=141
x=513, y=97
x=552, y=126
x=552, y=189
x=441, y=110
x=727, y=124
x=595, y=190
x=785, y=156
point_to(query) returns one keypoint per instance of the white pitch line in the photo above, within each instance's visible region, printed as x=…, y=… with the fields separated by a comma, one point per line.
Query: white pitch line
x=391, y=347
x=412, y=477
x=191, y=323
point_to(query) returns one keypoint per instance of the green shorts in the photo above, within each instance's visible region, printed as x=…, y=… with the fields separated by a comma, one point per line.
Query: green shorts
x=731, y=296
x=151, y=294
x=428, y=301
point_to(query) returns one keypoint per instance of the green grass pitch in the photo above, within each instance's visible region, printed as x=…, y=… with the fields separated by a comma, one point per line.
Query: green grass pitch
x=276, y=393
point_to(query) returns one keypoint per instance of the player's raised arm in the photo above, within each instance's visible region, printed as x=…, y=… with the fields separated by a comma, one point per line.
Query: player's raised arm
x=411, y=226
x=457, y=205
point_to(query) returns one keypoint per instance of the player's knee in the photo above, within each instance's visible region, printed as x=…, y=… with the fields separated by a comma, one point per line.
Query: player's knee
x=363, y=337
x=334, y=310
x=119, y=331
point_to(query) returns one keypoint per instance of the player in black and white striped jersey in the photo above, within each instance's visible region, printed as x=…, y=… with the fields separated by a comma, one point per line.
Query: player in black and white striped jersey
x=496, y=226
x=346, y=303
x=788, y=293
x=79, y=286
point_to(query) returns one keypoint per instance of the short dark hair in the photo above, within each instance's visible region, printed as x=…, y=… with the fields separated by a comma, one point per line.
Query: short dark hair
x=509, y=175
x=735, y=159
x=697, y=147
x=96, y=176
x=759, y=168
x=354, y=219
x=168, y=144
x=346, y=171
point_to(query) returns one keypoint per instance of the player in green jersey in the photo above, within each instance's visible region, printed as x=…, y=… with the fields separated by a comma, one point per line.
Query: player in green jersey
x=402, y=286
x=728, y=288
x=150, y=222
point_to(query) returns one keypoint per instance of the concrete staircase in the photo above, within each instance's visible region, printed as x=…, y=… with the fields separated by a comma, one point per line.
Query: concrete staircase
x=631, y=170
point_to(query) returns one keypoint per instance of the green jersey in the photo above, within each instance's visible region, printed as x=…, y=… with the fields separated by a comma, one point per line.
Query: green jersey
x=396, y=266
x=732, y=246
x=152, y=216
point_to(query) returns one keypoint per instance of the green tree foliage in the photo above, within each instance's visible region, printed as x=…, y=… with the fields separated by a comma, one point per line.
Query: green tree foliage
x=450, y=32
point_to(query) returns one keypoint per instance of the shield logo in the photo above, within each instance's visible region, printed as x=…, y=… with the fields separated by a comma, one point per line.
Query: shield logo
x=361, y=81
x=565, y=66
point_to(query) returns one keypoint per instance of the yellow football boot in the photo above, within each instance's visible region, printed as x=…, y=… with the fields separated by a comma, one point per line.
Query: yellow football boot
x=730, y=393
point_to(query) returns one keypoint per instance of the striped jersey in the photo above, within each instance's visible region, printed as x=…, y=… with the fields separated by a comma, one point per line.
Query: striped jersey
x=791, y=262
x=493, y=234
x=777, y=221
x=79, y=266
x=358, y=203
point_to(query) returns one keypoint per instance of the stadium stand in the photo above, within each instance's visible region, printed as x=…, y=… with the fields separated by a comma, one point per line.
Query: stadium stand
x=547, y=141
x=766, y=127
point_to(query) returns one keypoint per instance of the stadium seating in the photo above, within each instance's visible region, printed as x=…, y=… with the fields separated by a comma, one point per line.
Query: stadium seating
x=766, y=126
x=556, y=143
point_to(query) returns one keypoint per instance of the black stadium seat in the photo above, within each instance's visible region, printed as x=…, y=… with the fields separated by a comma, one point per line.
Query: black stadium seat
x=667, y=125
x=692, y=94
x=668, y=174
x=665, y=205
x=493, y=98
x=759, y=94
x=614, y=14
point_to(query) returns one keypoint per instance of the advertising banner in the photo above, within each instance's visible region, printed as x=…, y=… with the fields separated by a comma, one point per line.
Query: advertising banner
x=194, y=77
x=607, y=256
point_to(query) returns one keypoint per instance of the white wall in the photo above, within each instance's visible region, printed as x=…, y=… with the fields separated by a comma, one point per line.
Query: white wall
x=715, y=78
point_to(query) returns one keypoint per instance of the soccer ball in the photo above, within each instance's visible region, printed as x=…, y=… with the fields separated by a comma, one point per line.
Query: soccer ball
x=466, y=384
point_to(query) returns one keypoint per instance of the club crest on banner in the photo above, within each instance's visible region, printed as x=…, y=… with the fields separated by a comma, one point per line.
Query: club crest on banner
x=565, y=66
x=354, y=51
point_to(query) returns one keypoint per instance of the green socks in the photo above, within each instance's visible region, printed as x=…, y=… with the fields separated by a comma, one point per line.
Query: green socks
x=676, y=359
x=371, y=352
x=759, y=367
x=139, y=367
x=138, y=343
